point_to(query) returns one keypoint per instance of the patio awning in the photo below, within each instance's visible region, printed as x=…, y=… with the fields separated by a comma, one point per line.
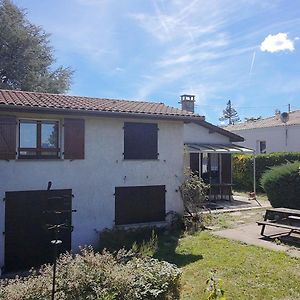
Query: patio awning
x=217, y=148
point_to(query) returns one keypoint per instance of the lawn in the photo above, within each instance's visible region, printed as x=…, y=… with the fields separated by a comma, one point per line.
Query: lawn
x=218, y=221
x=247, y=272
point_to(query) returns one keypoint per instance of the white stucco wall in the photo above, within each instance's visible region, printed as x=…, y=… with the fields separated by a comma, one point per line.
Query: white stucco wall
x=94, y=179
x=275, y=138
x=194, y=133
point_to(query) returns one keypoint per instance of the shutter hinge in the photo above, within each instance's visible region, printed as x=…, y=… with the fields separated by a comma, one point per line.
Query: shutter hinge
x=3, y=232
x=4, y=199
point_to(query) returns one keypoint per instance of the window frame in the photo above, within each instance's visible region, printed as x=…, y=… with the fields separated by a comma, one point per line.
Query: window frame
x=141, y=156
x=39, y=149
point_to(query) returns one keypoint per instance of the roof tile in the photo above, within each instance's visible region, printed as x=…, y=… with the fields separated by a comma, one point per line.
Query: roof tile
x=275, y=121
x=66, y=102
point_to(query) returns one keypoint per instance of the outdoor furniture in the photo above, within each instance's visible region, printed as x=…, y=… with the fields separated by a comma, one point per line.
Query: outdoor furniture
x=282, y=218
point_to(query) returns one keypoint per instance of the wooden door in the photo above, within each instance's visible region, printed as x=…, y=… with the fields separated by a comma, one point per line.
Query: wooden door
x=27, y=216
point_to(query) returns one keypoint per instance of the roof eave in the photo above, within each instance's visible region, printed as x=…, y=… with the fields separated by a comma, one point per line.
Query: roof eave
x=111, y=114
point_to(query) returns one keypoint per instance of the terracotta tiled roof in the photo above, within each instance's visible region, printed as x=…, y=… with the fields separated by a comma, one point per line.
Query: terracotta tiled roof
x=57, y=102
x=294, y=119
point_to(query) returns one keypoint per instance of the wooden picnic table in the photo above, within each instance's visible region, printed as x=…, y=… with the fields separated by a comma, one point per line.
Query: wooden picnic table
x=281, y=217
x=281, y=212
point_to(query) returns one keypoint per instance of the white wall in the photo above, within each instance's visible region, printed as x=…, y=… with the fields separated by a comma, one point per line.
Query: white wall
x=275, y=138
x=194, y=133
x=94, y=179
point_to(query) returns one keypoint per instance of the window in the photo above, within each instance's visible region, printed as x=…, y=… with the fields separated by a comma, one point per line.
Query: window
x=38, y=139
x=214, y=168
x=140, y=141
x=204, y=167
x=262, y=147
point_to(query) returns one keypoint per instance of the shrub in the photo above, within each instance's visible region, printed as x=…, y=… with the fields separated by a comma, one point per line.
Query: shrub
x=98, y=276
x=282, y=185
x=243, y=168
x=193, y=193
x=142, y=240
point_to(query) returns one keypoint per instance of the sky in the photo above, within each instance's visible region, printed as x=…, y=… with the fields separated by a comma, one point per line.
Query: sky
x=246, y=51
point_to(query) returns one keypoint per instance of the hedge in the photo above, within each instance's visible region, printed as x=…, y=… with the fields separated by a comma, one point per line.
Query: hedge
x=98, y=276
x=282, y=185
x=242, y=168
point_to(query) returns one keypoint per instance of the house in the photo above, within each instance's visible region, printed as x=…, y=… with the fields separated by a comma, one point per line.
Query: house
x=279, y=133
x=92, y=164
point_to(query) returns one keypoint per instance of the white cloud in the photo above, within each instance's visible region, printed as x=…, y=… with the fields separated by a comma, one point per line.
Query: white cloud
x=277, y=42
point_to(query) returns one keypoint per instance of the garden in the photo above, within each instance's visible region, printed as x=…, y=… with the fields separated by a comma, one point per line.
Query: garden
x=185, y=260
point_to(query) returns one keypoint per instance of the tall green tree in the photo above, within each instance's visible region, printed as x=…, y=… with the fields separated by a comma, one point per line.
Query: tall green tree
x=26, y=57
x=230, y=114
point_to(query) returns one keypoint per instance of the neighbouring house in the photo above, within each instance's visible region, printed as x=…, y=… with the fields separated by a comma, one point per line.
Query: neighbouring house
x=279, y=133
x=94, y=163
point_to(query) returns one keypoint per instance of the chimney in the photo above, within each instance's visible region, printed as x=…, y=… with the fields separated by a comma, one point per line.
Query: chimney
x=187, y=102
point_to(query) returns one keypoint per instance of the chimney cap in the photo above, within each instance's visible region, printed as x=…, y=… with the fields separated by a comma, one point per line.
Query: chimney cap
x=187, y=97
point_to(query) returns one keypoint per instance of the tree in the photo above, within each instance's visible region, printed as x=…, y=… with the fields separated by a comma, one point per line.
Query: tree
x=230, y=114
x=26, y=57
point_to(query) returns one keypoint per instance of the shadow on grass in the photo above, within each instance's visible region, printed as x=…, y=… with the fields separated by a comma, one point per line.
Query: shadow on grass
x=284, y=239
x=167, y=244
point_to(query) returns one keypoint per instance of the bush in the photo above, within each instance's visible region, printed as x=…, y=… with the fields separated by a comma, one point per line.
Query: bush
x=98, y=276
x=243, y=168
x=141, y=239
x=282, y=185
x=193, y=194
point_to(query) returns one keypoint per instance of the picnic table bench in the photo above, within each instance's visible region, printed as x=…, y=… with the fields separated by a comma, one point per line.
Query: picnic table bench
x=282, y=218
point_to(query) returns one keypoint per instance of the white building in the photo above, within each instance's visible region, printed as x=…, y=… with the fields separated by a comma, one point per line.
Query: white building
x=279, y=133
x=122, y=161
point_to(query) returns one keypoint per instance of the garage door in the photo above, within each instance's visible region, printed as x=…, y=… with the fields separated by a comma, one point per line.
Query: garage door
x=27, y=218
x=139, y=204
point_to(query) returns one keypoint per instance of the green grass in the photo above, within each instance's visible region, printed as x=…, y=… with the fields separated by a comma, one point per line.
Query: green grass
x=247, y=272
x=218, y=221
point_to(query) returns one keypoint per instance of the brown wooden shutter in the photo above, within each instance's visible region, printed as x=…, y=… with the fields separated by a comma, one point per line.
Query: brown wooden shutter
x=194, y=163
x=74, y=139
x=8, y=130
x=226, y=168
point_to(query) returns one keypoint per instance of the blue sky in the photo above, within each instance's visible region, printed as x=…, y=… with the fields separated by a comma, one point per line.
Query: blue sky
x=246, y=50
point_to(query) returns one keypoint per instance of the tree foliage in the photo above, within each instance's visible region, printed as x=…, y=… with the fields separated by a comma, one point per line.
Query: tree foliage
x=230, y=114
x=26, y=57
